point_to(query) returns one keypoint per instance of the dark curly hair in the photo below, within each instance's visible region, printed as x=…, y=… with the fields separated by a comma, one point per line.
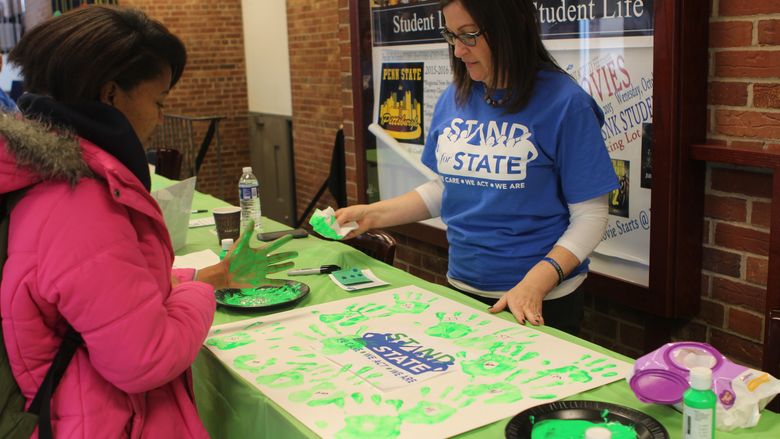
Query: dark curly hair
x=72, y=56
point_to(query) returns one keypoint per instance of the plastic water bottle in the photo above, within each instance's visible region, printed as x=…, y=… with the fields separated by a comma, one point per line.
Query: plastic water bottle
x=699, y=406
x=249, y=199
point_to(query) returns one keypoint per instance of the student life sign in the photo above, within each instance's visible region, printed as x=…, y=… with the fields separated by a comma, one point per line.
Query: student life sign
x=594, y=18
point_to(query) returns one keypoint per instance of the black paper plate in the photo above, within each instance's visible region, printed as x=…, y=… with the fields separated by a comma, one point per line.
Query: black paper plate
x=646, y=426
x=271, y=303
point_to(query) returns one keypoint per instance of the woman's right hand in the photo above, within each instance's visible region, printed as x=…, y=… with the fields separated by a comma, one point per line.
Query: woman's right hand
x=360, y=213
x=402, y=209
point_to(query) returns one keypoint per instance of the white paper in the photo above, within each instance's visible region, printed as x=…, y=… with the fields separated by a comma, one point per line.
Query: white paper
x=175, y=202
x=404, y=363
x=196, y=260
x=375, y=282
x=202, y=222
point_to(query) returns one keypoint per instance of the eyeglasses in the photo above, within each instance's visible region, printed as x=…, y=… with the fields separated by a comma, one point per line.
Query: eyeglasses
x=467, y=38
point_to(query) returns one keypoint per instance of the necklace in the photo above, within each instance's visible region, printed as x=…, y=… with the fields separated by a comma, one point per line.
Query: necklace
x=497, y=102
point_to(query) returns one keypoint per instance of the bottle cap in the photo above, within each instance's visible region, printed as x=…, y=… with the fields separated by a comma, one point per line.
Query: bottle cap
x=598, y=433
x=247, y=170
x=227, y=243
x=701, y=378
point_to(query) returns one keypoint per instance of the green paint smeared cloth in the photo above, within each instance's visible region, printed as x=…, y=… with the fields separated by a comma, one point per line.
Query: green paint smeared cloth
x=324, y=223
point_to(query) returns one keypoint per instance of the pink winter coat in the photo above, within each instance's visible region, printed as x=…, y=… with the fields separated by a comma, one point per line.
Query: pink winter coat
x=97, y=255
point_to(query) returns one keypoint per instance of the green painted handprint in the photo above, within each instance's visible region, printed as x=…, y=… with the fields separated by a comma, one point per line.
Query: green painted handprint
x=370, y=426
x=352, y=315
x=455, y=325
x=500, y=393
x=435, y=409
x=429, y=411
x=502, y=358
x=231, y=341
x=247, y=265
x=251, y=363
x=410, y=303
x=574, y=373
x=335, y=344
x=320, y=395
x=281, y=380
x=489, y=340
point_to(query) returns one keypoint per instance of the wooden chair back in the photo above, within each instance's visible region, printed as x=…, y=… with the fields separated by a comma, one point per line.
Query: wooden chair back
x=378, y=244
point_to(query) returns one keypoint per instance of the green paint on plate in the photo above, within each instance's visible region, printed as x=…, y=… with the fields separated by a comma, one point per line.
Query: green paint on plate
x=575, y=429
x=262, y=296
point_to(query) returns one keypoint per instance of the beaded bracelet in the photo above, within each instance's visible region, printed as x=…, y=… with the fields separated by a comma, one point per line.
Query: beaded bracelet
x=557, y=268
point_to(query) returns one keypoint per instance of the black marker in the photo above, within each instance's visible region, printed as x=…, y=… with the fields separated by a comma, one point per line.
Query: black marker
x=200, y=211
x=325, y=269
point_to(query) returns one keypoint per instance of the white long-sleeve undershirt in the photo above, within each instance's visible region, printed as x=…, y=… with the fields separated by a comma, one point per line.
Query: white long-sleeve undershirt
x=587, y=222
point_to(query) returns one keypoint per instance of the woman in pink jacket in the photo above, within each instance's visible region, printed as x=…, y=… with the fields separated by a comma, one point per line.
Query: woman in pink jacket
x=87, y=243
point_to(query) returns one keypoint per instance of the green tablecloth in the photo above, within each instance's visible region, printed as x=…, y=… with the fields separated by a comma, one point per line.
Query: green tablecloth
x=233, y=408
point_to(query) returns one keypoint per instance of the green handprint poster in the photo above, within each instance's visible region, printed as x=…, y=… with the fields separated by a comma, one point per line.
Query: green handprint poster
x=404, y=363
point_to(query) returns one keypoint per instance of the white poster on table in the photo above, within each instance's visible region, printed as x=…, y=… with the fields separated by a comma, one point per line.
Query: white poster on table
x=404, y=363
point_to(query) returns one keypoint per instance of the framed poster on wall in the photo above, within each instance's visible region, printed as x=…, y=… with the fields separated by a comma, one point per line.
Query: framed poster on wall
x=643, y=61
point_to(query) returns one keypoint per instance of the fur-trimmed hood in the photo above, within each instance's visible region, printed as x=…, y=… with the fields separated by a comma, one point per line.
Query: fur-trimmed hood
x=31, y=151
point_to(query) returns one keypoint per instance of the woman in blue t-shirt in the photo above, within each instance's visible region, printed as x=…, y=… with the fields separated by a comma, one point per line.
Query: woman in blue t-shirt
x=524, y=172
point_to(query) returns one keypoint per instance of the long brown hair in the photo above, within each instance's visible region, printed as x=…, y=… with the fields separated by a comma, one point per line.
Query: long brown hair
x=71, y=56
x=512, y=33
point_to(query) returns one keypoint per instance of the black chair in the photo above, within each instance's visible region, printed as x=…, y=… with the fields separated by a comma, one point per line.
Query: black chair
x=336, y=181
x=178, y=133
x=166, y=161
x=378, y=244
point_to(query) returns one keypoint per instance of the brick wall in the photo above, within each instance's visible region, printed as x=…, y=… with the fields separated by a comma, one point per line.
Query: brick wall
x=744, y=109
x=316, y=74
x=214, y=82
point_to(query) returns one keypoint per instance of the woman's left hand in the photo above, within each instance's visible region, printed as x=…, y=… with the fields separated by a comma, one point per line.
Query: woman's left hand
x=248, y=265
x=245, y=266
x=524, y=302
